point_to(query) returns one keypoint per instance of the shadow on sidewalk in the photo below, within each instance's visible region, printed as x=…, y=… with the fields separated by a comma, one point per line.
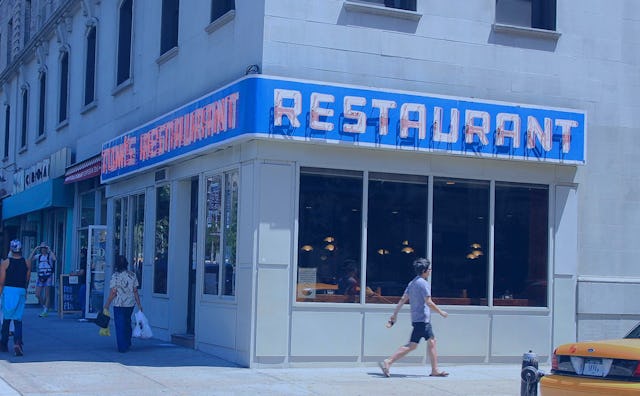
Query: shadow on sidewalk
x=53, y=339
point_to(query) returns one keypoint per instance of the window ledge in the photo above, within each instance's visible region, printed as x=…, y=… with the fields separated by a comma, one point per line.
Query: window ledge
x=526, y=31
x=122, y=87
x=22, y=150
x=376, y=9
x=41, y=138
x=62, y=124
x=87, y=108
x=218, y=23
x=172, y=53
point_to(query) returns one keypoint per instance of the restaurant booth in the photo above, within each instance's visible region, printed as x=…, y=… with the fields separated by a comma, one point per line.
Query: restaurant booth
x=273, y=222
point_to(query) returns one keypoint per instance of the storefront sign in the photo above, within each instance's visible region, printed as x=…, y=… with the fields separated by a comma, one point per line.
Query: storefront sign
x=32, y=176
x=264, y=107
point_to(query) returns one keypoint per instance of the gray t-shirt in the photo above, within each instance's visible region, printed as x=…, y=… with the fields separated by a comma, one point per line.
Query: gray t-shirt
x=418, y=290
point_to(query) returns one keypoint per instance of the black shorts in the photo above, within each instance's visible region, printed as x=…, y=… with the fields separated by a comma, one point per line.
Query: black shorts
x=421, y=329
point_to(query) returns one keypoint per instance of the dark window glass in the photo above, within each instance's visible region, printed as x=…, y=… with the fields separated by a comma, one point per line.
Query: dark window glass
x=230, y=237
x=160, y=267
x=539, y=14
x=7, y=123
x=169, y=30
x=9, y=42
x=25, y=112
x=41, y=103
x=137, y=236
x=396, y=233
x=27, y=21
x=521, y=244
x=460, y=239
x=330, y=235
x=212, y=248
x=221, y=7
x=124, y=41
x=401, y=4
x=64, y=87
x=90, y=67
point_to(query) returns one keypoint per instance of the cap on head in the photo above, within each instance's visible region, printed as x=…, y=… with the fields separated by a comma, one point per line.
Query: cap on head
x=15, y=246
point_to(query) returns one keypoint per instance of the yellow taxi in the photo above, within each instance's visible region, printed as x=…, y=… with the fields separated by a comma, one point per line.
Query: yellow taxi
x=609, y=367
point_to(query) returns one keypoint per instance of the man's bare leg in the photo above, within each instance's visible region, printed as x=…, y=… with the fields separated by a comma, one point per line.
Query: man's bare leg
x=385, y=365
x=433, y=357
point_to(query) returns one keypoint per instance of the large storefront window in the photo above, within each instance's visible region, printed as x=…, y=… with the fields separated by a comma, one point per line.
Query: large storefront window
x=330, y=236
x=460, y=240
x=221, y=234
x=396, y=233
x=521, y=245
x=330, y=239
x=161, y=251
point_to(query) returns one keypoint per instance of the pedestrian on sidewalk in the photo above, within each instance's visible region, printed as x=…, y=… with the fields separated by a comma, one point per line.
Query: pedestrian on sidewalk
x=124, y=295
x=15, y=272
x=44, y=259
x=418, y=292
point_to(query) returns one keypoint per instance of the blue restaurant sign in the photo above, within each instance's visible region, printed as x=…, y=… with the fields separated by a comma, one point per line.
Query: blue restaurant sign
x=266, y=107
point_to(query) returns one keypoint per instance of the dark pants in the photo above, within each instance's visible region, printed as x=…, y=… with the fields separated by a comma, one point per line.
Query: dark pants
x=17, y=332
x=122, y=320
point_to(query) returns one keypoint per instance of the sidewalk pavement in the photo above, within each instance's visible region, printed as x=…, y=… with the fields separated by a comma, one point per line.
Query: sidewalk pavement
x=67, y=357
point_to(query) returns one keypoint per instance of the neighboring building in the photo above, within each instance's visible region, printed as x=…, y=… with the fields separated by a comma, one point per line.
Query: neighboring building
x=258, y=158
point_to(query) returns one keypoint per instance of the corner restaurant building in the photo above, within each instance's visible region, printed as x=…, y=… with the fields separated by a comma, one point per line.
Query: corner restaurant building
x=249, y=208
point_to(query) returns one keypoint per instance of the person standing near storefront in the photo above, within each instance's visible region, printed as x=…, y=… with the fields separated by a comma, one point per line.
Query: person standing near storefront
x=124, y=295
x=44, y=264
x=15, y=272
x=418, y=292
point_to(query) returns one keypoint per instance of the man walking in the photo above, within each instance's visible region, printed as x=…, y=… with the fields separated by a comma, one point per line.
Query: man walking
x=418, y=292
x=15, y=272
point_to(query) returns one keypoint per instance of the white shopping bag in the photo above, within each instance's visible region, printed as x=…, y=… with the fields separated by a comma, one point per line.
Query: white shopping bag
x=142, y=329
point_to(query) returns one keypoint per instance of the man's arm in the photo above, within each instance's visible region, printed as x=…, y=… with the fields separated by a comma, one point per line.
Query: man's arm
x=402, y=301
x=436, y=308
x=3, y=273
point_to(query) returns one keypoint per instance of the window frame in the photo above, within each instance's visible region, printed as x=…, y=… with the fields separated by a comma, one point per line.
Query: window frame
x=488, y=208
x=504, y=23
x=169, y=26
x=63, y=87
x=42, y=103
x=24, y=118
x=124, y=60
x=90, y=65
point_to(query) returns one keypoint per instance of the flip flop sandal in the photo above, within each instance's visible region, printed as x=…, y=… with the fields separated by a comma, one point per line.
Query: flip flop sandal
x=440, y=374
x=385, y=369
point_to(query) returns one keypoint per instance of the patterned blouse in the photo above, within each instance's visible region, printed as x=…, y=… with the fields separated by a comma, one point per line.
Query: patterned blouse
x=125, y=283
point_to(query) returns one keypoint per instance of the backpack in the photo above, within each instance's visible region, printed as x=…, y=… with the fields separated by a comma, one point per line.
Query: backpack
x=44, y=271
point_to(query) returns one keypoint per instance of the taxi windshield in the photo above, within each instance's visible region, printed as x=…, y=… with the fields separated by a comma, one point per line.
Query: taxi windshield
x=635, y=333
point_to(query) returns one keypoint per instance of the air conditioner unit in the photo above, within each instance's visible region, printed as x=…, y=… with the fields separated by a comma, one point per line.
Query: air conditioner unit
x=161, y=175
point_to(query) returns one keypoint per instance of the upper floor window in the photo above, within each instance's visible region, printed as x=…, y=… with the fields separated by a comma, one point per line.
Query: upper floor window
x=25, y=118
x=221, y=7
x=9, y=38
x=409, y=5
x=169, y=28
x=125, y=28
x=42, y=82
x=27, y=21
x=90, y=67
x=538, y=14
x=7, y=124
x=63, y=97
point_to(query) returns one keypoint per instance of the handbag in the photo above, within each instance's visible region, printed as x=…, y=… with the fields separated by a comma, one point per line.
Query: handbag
x=102, y=320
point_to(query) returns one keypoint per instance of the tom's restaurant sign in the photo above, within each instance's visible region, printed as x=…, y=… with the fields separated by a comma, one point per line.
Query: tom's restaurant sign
x=274, y=108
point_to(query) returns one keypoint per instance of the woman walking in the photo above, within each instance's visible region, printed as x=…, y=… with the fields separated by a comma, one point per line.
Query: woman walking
x=124, y=295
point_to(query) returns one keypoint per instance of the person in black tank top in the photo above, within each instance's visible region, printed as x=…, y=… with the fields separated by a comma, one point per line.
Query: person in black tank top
x=15, y=272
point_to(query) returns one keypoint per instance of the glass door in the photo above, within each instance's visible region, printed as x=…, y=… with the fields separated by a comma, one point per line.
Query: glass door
x=95, y=269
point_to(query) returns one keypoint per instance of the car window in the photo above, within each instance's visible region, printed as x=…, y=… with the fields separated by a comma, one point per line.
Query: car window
x=635, y=333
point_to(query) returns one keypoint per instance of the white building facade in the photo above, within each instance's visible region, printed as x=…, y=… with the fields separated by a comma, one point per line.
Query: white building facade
x=271, y=168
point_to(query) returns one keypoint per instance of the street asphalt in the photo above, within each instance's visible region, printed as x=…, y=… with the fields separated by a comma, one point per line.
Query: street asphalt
x=68, y=357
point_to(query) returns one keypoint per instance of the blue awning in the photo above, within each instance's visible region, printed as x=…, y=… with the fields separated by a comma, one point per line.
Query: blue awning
x=52, y=193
